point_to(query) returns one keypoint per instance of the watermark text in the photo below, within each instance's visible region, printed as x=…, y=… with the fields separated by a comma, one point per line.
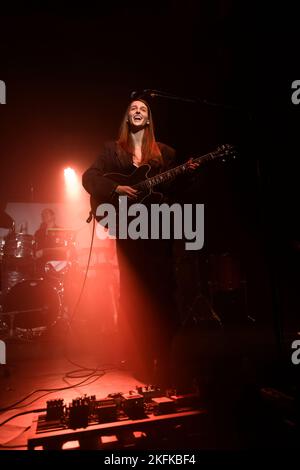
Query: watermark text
x=159, y=221
x=296, y=94
x=296, y=354
x=2, y=92
x=2, y=352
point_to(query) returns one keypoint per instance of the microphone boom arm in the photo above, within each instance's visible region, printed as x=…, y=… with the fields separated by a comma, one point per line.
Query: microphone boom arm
x=169, y=96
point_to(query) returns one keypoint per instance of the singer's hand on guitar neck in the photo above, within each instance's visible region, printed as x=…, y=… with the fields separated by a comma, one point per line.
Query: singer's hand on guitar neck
x=126, y=191
x=191, y=165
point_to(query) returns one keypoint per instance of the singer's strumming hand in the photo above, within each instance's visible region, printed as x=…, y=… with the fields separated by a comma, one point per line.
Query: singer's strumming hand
x=126, y=191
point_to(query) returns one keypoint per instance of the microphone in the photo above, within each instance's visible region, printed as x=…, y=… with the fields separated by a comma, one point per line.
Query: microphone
x=135, y=94
x=152, y=93
x=166, y=95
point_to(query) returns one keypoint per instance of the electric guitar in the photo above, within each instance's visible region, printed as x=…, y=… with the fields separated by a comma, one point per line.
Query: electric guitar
x=146, y=185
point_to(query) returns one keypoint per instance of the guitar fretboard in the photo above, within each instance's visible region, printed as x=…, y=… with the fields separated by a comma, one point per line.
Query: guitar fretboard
x=178, y=170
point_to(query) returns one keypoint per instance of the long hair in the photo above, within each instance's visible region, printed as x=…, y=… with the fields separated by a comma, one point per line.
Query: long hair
x=150, y=149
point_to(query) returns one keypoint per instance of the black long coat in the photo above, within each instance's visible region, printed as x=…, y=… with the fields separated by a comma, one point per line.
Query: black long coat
x=148, y=315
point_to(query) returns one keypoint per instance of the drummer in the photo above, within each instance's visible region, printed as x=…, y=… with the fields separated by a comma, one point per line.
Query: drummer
x=47, y=244
x=41, y=236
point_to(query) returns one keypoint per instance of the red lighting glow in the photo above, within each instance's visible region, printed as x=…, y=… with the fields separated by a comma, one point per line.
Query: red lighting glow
x=71, y=182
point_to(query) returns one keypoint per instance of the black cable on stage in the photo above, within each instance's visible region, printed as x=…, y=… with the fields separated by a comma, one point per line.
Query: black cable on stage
x=97, y=370
x=95, y=375
x=85, y=275
x=38, y=410
x=49, y=390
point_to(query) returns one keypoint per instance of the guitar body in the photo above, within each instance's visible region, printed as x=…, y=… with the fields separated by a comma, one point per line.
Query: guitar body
x=144, y=196
x=142, y=180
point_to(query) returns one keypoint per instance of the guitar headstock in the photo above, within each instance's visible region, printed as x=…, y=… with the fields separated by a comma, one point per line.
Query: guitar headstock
x=225, y=152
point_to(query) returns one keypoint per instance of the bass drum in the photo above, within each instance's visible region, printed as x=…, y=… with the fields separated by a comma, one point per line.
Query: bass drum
x=31, y=305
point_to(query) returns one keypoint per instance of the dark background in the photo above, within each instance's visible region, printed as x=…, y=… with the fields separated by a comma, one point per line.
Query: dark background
x=69, y=73
x=70, y=70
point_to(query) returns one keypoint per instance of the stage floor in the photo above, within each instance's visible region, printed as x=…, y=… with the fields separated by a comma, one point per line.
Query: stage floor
x=22, y=378
x=229, y=365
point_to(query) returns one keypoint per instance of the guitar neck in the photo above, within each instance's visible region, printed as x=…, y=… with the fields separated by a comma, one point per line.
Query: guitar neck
x=173, y=172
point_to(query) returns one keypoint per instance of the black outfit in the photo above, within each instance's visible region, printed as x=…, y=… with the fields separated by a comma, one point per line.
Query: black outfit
x=43, y=239
x=52, y=249
x=113, y=159
x=147, y=314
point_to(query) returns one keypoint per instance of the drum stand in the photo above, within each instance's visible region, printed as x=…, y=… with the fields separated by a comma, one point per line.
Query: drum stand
x=223, y=275
x=228, y=285
x=195, y=315
x=201, y=308
x=12, y=314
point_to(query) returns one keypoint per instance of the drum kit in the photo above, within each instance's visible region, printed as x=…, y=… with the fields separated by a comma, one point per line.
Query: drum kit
x=33, y=287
